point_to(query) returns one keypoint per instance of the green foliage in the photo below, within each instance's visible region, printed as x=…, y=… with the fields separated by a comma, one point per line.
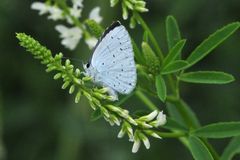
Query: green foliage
x=212, y=42
x=198, y=149
x=182, y=122
x=181, y=112
x=173, y=33
x=174, y=125
x=207, y=77
x=175, y=66
x=232, y=149
x=161, y=88
x=219, y=130
x=174, y=52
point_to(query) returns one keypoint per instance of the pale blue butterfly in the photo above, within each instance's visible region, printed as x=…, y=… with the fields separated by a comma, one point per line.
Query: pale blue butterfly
x=112, y=64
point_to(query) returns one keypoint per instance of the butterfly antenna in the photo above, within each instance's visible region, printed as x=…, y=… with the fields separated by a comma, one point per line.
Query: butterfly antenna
x=73, y=59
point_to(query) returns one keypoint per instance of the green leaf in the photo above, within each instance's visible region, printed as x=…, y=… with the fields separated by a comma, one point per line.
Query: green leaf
x=161, y=88
x=175, y=66
x=198, y=149
x=219, y=130
x=182, y=113
x=174, y=52
x=173, y=33
x=174, y=125
x=212, y=42
x=96, y=114
x=207, y=77
x=232, y=149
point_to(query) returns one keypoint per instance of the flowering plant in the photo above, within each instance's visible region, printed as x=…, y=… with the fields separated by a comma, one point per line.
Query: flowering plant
x=162, y=72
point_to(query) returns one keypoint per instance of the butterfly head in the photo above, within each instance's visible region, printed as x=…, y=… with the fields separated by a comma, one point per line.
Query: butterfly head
x=89, y=70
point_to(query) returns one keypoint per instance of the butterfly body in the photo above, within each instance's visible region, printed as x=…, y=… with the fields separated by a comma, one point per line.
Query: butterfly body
x=112, y=64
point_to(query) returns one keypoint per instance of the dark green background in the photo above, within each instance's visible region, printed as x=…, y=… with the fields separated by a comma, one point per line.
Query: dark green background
x=40, y=121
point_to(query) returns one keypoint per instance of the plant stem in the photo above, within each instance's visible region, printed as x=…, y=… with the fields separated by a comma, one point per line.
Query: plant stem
x=76, y=21
x=171, y=135
x=152, y=38
x=145, y=100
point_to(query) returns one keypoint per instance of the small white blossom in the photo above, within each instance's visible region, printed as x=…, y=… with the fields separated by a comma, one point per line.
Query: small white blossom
x=155, y=135
x=77, y=3
x=91, y=42
x=55, y=13
x=121, y=133
x=41, y=7
x=136, y=146
x=94, y=14
x=146, y=142
x=76, y=9
x=149, y=117
x=70, y=36
x=161, y=119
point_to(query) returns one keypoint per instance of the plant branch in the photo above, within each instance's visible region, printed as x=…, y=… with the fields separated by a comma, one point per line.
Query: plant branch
x=146, y=100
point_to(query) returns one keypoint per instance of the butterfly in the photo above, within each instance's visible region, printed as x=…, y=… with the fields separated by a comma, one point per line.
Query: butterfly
x=112, y=64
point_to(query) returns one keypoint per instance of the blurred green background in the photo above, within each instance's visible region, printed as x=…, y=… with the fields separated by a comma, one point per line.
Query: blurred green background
x=40, y=121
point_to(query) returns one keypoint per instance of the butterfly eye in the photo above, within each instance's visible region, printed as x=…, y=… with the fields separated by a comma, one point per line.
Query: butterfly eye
x=88, y=65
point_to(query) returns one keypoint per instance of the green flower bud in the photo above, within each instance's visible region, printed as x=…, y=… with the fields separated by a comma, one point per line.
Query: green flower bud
x=125, y=11
x=57, y=76
x=113, y=2
x=72, y=88
x=65, y=84
x=94, y=28
x=152, y=61
x=78, y=96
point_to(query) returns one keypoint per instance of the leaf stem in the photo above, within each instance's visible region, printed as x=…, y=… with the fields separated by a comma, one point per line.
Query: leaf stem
x=145, y=100
x=152, y=38
x=171, y=134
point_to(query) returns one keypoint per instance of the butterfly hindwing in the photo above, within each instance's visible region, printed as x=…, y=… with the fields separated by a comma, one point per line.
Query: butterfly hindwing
x=113, y=59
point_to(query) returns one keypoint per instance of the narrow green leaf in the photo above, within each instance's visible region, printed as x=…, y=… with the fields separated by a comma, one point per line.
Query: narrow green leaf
x=174, y=125
x=175, y=66
x=174, y=52
x=198, y=149
x=182, y=113
x=96, y=114
x=207, y=77
x=232, y=149
x=161, y=88
x=219, y=130
x=173, y=33
x=212, y=42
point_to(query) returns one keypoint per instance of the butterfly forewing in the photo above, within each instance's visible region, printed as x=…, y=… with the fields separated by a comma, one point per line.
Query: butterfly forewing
x=114, y=60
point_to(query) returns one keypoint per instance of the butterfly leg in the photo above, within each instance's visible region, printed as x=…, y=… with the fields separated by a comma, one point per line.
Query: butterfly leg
x=113, y=94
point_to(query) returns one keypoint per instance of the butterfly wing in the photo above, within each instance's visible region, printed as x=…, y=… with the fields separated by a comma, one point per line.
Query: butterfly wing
x=113, y=59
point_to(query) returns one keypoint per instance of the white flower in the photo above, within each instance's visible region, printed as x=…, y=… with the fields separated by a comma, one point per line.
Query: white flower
x=146, y=142
x=155, y=135
x=55, y=13
x=136, y=146
x=41, y=7
x=161, y=119
x=76, y=9
x=94, y=14
x=77, y=3
x=70, y=36
x=149, y=117
x=91, y=42
x=121, y=133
